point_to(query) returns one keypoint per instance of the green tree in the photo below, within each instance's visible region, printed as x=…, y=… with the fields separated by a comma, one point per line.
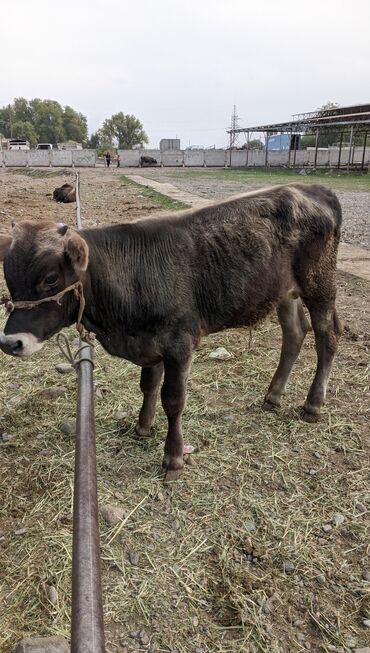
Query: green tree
x=126, y=130
x=75, y=125
x=42, y=121
x=94, y=140
x=48, y=120
x=25, y=130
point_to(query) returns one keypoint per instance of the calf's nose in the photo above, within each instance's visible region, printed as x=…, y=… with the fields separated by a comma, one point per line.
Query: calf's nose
x=11, y=345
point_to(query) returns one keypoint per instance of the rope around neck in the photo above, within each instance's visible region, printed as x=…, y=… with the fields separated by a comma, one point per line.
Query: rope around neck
x=77, y=287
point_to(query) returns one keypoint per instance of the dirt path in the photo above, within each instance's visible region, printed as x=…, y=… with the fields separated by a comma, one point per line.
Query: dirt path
x=353, y=259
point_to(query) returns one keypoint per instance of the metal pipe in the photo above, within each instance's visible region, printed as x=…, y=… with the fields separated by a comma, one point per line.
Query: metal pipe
x=267, y=148
x=87, y=629
x=350, y=148
x=316, y=146
x=78, y=203
x=295, y=150
x=364, y=152
x=340, y=148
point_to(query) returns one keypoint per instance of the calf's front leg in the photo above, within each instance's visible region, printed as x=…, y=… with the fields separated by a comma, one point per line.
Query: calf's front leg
x=149, y=384
x=173, y=401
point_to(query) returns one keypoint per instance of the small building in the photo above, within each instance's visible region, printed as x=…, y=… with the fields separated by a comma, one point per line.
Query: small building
x=166, y=144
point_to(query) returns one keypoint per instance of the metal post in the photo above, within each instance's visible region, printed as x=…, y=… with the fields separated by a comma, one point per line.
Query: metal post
x=316, y=145
x=340, y=148
x=87, y=630
x=290, y=145
x=364, y=152
x=350, y=148
x=295, y=150
x=78, y=203
x=247, y=150
x=267, y=147
x=230, y=147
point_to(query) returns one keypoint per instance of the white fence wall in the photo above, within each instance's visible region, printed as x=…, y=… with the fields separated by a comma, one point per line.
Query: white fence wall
x=173, y=158
x=215, y=158
x=84, y=158
x=38, y=158
x=62, y=158
x=194, y=158
x=15, y=158
x=326, y=157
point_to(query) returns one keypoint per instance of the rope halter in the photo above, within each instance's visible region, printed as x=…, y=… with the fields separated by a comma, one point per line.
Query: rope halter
x=78, y=290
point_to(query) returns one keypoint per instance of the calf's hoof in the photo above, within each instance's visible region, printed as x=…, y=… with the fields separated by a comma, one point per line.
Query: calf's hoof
x=172, y=475
x=269, y=407
x=310, y=415
x=173, y=466
x=142, y=431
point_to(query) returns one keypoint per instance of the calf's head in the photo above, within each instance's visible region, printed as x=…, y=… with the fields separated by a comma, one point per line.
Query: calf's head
x=40, y=260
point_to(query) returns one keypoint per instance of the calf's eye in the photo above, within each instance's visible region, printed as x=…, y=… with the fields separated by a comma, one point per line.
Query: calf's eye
x=51, y=278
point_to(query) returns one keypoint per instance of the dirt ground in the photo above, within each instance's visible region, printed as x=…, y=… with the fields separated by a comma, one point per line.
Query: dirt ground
x=262, y=546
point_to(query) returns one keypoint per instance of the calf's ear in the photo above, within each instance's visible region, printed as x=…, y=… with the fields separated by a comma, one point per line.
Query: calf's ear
x=5, y=242
x=77, y=250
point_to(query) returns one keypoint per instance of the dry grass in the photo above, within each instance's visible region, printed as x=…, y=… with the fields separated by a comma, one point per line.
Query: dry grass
x=180, y=567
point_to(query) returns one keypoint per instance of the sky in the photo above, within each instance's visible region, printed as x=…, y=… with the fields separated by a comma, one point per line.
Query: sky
x=180, y=66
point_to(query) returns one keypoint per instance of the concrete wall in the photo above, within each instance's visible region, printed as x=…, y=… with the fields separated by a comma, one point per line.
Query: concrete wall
x=278, y=158
x=326, y=157
x=238, y=158
x=173, y=158
x=215, y=158
x=15, y=158
x=38, y=158
x=84, y=158
x=129, y=158
x=194, y=158
x=62, y=158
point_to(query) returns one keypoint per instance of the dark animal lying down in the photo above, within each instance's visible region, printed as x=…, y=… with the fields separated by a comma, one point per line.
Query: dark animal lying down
x=65, y=194
x=147, y=161
x=155, y=287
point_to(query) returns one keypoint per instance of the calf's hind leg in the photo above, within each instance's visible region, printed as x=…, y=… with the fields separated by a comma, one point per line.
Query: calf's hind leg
x=149, y=384
x=294, y=325
x=327, y=330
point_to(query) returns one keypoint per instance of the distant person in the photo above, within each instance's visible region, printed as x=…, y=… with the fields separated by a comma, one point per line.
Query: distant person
x=107, y=159
x=118, y=161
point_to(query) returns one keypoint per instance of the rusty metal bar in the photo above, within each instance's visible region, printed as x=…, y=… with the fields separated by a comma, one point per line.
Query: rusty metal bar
x=340, y=148
x=316, y=146
x=364, y=152
x=87, y=630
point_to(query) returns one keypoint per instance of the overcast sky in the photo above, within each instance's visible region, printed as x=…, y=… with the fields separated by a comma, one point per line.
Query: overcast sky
x=181, y=65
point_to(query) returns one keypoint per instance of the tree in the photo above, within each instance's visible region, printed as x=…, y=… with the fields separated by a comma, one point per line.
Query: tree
x=75, y=125
x=126, y=130
x=42, y=121
x=253, y=144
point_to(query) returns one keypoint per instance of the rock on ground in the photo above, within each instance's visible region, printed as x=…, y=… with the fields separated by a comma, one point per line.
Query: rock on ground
x=42, y=645
x=220, y=354
x=112, y=515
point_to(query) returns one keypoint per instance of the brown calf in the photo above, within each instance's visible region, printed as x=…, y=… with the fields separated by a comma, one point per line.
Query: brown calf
x=154, y=287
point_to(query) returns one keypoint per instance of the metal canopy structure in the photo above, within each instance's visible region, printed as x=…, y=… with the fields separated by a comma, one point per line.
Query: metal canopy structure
x=353, y=120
